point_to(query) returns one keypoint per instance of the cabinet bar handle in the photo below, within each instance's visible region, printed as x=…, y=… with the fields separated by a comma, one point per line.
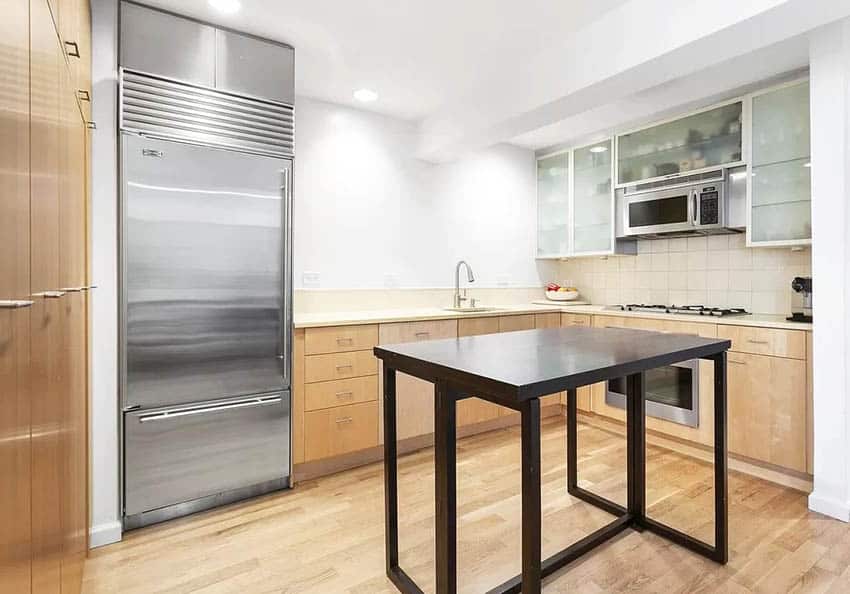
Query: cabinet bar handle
x=50, y=294
x=83, y=95
x=75, y=53
x=72, y=289
x=341, y=341
x=348, y=394
x=15, y=303
x=737, y=362
x=344, y=420
x=751, y=341
x=341, y=367
x=422, y=334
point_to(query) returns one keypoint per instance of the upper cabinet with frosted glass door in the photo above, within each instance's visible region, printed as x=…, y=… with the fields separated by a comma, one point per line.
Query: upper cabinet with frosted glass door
x=705, y=140
x=593, y=199
x=780, y=167
x=553, y=175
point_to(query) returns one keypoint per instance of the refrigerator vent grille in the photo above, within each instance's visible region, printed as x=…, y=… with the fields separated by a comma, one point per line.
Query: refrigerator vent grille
x=165, y=108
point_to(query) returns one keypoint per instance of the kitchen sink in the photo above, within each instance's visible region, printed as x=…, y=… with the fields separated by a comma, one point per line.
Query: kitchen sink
x=472, y=309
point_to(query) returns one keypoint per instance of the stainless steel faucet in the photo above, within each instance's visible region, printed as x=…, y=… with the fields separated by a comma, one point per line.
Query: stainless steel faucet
x=459, y=299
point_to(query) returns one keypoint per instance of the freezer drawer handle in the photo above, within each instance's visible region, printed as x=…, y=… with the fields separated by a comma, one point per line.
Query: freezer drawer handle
x=183, y=412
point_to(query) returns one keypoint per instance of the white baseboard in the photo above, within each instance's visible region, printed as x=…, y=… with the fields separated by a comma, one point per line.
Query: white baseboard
x=840, y=510
x=104, y=534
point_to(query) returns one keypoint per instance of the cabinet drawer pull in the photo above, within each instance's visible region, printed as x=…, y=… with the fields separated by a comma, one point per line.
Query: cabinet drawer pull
x=83, y=95
x=344, y=420
x=15, y=303
x=346, y=395
x=422, y=334
x=751, y=341
x=577, y=323
x=341, y=367
x=50, y=294
x=737, y=362
x=342, y=341
x=75, y=53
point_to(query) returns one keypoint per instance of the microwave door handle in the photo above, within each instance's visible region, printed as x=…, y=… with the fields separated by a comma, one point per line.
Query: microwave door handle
x=695, y=207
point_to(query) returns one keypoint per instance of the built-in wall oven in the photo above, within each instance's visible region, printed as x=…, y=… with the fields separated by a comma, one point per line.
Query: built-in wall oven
x=672, y=393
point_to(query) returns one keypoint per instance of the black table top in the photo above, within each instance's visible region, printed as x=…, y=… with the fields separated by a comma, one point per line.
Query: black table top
x=532, y=363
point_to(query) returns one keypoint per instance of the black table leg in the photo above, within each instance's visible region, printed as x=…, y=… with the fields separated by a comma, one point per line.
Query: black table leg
x=445, y=458
x=721, y=502
x=390, y=470
x=636, y=446
x=572, y=441
x=531, y=515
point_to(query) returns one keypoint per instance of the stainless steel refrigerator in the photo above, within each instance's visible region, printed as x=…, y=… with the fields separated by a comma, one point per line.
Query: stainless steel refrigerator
x=206, y=320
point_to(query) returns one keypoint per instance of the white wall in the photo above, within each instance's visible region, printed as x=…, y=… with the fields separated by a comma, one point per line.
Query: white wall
x=830, y=101
x=105, y=516
x=370, y=215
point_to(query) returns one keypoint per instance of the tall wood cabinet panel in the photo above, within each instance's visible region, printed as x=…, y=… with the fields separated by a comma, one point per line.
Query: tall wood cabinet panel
x=15, y=454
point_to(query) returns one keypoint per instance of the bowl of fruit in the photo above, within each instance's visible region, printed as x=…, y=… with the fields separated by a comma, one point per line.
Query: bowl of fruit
x=556, y=292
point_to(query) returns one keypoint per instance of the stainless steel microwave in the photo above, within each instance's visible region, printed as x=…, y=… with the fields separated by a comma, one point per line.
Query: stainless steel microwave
x=697, y=208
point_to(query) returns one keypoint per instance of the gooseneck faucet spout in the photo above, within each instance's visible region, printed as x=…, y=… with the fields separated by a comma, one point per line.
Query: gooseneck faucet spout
x=458, y=298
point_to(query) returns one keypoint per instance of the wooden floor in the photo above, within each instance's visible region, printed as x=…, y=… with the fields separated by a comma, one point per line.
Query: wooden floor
x=327, y=535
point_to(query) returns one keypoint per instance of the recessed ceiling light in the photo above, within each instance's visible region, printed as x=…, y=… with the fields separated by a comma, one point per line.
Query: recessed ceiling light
x=365, y=95
x=598, y=149
x=226, y=6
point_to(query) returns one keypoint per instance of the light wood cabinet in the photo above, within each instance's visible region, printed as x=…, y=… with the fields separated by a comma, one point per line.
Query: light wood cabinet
x=338, y=339
x=414, y=397
x=341, y=392
x=43, y=348
x=765, y=341
x=767, y=409
x=542, y=321
x=584, y=394
x=340, y=430
x=475, y=410
x=15, y=453
x=335, y=366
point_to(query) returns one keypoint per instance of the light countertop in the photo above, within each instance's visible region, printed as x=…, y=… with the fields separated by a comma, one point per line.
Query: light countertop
x=347, y=318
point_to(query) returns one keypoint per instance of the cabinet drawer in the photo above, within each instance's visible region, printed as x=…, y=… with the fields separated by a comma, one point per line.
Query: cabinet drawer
x=340, y=430
x=516, y=323
x=341, y=392
x=335, y=366
x=340, y=339
x=574, y=320
x=765, y=341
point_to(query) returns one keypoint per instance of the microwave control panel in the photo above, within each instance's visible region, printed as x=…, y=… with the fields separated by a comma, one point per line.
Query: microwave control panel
x=709, y=206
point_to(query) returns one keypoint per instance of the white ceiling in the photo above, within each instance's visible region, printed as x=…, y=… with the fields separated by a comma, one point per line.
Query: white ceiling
x=419, y=55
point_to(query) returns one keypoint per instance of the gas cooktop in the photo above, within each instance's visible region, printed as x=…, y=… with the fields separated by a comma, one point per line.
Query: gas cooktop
x=697, y=310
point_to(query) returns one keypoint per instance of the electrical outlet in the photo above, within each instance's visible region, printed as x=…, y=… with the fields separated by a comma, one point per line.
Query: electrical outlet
x=311, y=280
x=391, y=280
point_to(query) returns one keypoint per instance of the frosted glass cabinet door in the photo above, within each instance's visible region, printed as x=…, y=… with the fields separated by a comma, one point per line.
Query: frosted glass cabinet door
x=707, y=139
x=553, y=205
x=781, y=174
x=592, y=199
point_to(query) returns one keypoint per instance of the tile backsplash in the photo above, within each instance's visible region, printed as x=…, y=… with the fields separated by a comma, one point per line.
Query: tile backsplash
x=717, y=270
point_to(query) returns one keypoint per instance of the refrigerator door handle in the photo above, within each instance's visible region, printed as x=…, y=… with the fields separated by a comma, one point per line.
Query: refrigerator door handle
x=285, y=354
x=187, y=411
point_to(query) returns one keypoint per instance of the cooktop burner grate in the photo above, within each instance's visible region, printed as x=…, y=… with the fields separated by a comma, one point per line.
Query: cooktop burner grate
x=700, y=310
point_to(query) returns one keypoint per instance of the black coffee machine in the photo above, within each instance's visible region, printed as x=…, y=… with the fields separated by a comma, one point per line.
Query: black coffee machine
x=801, y=300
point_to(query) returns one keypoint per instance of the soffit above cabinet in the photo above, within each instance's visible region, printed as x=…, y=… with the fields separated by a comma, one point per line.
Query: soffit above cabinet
x=186, y=50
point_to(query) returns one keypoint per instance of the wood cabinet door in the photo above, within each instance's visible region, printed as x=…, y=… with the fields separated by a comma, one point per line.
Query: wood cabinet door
x=15, y=152
x=48, y=456
x=74, y=448
x=542, y=321
x=72, y=202
x=414, y=397
x=15, y=453
x=46, y=68
x=584, y=396
x=474, y=410
x=767, y=409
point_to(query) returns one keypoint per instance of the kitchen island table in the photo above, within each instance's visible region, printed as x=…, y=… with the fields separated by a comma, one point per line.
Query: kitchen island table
x=514, y=370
